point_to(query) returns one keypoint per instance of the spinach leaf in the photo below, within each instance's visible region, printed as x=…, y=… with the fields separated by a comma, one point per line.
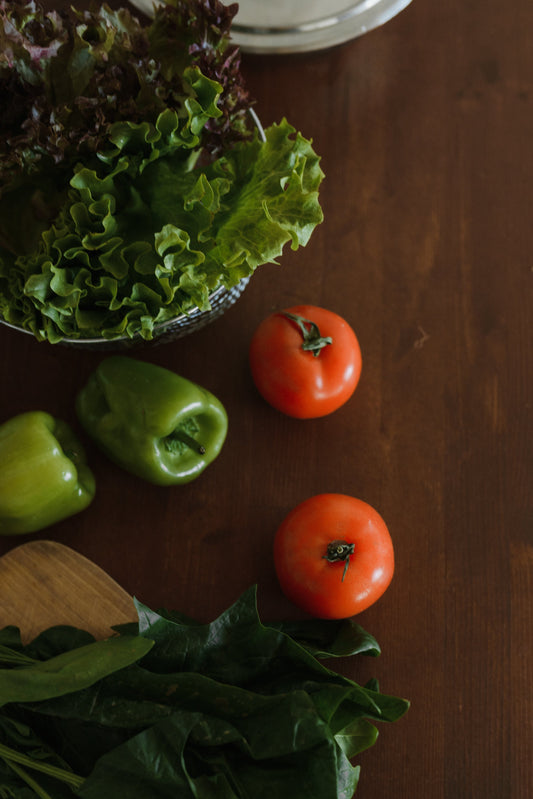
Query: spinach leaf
x=13, y=657
x=70, y=671
x=357, y=735
x=204, y=648
x=228, y=709
x=220, y=762
x=29, y=767
x=10, y=637
x=57, y=639
x=326, y=639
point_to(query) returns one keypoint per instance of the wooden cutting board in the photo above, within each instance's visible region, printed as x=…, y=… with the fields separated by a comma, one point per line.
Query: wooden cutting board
x=44, y=583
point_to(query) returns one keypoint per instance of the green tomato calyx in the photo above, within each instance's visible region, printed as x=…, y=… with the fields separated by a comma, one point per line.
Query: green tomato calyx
x=339, y=550
x=312, y=340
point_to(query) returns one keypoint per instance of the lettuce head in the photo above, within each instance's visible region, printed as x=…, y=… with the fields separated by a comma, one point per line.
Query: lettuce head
x=133, y=179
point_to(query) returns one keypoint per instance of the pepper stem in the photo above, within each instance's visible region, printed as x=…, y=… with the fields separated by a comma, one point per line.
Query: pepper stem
x=339, y=550
x=190, y=441
x=312, y=340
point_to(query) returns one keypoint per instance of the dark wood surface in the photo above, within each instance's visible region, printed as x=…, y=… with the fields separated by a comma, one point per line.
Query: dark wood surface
x=425, y=128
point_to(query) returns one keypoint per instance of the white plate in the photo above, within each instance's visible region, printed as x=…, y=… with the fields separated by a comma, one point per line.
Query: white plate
x=289, y=26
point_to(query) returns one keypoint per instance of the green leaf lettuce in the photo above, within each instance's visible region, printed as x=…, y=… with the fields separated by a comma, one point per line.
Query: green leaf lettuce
x=112, y=226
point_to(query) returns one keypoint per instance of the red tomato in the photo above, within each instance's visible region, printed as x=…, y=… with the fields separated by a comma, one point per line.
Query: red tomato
x=333, y=556
x=305, y=361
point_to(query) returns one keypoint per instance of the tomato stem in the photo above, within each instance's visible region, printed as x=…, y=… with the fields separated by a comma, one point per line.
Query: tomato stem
x=312, y=340
x=339, y=550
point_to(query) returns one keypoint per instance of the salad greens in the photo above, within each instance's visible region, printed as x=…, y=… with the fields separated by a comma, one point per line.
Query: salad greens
x=133, y=179
x=234, y=708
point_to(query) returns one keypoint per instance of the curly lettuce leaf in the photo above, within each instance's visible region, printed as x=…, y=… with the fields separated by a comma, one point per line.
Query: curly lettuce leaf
x=66, y=79
x=131, y=182
x=147, y=234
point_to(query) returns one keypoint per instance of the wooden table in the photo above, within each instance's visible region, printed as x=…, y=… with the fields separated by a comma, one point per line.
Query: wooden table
x=425, y=128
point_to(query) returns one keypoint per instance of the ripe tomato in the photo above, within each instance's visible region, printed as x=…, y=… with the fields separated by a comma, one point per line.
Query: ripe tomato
x=333, y=556
x=305, y=361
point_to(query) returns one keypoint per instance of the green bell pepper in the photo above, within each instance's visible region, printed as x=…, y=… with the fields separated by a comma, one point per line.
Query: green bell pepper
x=43, y=474
x=150, y=421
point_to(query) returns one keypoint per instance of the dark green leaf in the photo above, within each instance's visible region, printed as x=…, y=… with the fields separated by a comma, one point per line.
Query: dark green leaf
x=70, y=671
x=221, y=761
x=356, y=736
x=227, y=709
x=324, y=638
x=10, y=637
x=23, y=742
x=57, y=639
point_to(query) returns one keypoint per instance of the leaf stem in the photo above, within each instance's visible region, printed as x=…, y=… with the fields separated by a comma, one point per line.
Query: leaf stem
x=11, y=756
x=33, y=784
x=8, y=655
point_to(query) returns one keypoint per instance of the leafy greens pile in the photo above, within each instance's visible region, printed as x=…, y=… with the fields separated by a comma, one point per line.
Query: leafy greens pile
x=133, y=178
x=171, y=707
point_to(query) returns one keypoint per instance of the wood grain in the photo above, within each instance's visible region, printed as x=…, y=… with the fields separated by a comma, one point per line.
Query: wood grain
x=425, y=128
x=44, y=583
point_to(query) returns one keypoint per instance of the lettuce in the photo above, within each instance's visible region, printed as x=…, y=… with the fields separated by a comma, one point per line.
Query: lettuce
x=64, y=81
x=161, y=201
